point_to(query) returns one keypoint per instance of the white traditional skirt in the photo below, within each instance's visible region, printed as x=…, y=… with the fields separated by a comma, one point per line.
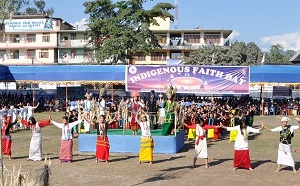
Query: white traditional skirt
x=35, y=149
x=285, y=155
x=201, y=149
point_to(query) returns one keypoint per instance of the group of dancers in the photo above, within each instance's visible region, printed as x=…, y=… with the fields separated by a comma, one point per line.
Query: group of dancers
x=241, y=147
x=140, y=119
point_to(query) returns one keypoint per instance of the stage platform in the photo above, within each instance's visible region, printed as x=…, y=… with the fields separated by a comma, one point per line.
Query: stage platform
x=129, y=143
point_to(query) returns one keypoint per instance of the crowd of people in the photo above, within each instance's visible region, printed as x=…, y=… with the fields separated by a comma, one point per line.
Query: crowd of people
x=201, y=118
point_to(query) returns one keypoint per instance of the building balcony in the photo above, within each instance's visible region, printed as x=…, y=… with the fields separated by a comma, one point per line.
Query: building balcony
x=74, y=43
x=181, y=47
x=76, y=60
x=26, y=42
x=11, y=61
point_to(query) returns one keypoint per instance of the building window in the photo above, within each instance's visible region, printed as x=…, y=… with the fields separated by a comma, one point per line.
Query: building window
x=85, y=37
x=31, y=38
x=15, y=54
x=46, y=37
x=30, y=54
x=44, y=54
x=15, y=38
x=158, y=56
x=2, y=53
x=212, y=39
x=162, y=39
x=73, y=36
x=139, y=57
x=192, y=38
x=175, y=55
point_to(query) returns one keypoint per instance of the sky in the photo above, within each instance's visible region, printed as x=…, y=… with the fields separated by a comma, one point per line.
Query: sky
x=264, y=22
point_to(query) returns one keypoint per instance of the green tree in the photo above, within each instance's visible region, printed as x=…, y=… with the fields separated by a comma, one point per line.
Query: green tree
x=237, y=54
x=254, y=54
x=39, y=8
x=211, y=55
x=276, y=54
x=289, y=55
x=117, y=27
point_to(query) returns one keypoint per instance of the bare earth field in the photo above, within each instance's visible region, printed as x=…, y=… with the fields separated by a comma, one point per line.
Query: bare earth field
x=172, y=169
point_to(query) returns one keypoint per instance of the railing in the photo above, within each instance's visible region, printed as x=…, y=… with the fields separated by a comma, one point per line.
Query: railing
x=76, y=60
x=182, y=47
x=73, y=43
x=18, y=40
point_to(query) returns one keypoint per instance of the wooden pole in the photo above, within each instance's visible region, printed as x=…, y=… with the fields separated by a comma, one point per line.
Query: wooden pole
x=112, y=91
x=66, y=96
x=262, y=99
x=32, y=87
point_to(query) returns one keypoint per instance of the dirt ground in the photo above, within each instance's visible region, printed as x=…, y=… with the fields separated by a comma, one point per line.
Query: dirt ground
x=167, y=169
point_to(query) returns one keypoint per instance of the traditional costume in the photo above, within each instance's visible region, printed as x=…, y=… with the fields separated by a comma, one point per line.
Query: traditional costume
x=6, y=138
x=241, y=151
x=285, y=144
x=102, y=145
x=30, y=110
x=147, y=143
x=66, y=147
x=170, y=107
x=87, y=108
x=201, y=142
x=134, y=105
x=35, y=148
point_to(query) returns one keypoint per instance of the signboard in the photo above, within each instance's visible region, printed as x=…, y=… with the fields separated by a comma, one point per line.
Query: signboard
x=279, y=91
x=77, y=92
x=14, y=25
x=189, y=79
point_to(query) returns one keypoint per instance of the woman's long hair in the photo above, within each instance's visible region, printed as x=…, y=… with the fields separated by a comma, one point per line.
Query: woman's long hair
x=33, y=121
x=241, y=122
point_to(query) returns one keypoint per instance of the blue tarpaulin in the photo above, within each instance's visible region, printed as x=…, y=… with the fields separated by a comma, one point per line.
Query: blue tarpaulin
x=275, y=74
x=68, y=73
x=109, y=73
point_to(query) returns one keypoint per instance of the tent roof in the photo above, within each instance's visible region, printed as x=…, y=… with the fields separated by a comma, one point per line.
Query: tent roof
x=109, y=73
x=275, y=74
x=67, y=73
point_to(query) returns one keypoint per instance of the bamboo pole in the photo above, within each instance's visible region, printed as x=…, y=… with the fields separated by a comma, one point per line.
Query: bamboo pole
x=33, y=95
x=112, y=91
x=262, y=99
x=66, y=96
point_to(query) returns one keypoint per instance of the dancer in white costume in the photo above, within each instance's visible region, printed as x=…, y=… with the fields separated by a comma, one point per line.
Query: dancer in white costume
x=87, y=108
x=285, y=143
x=35, y=148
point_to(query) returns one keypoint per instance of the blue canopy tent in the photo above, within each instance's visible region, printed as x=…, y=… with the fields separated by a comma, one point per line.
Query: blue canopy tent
x=64, y=74
x=108, y=73
x=287, y=74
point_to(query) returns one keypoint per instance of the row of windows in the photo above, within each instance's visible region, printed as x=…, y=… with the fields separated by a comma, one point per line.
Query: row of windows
x=158, y=56
x=31, y=38
x=31, y=53
x=192, y=38
x=14, y=54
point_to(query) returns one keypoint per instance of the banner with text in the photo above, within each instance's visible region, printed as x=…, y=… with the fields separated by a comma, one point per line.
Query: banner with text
x=15, y=25
x=189, y=79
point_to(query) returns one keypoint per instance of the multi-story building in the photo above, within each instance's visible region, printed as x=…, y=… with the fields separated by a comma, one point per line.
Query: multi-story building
x=177, y=43
x=42, y=40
